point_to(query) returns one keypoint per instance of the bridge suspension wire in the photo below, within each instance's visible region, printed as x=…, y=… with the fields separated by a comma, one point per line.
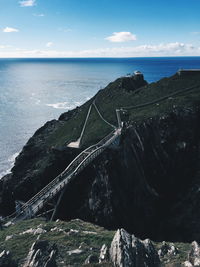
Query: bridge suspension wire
x=100, y=115
x=76, y=144
x=85, y=123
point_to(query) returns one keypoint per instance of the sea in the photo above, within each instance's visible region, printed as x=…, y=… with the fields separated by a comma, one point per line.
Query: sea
x=33, y=91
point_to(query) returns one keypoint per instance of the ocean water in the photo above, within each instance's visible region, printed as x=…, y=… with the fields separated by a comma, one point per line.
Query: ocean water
x=33, y=91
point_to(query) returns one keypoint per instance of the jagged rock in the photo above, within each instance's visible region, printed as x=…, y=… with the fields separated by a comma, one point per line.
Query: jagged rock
x=193, y=256
x=6, y=260
x=104, y=254
x=128, y=251
x=41, y=254
x=91, y=259
x=167, y=249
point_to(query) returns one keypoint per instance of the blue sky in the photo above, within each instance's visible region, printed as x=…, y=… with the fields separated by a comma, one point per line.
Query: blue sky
x=99, y=28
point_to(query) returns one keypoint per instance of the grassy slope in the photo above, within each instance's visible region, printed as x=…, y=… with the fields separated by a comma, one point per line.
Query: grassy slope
x=114, y=96
x=19, y=245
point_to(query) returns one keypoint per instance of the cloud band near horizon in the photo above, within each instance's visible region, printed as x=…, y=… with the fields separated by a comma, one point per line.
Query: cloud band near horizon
x=167, y=49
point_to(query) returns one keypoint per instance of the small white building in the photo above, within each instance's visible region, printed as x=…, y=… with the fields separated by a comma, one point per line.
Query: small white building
x=138, y=75
x=137, y=72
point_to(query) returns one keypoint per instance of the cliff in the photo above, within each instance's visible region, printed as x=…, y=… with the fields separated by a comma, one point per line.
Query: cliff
x=149, y=184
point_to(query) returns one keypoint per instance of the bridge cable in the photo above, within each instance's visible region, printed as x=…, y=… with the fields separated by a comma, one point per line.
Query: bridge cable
x=100, y=115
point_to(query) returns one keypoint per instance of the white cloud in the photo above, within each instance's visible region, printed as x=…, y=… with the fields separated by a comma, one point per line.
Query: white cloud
x=26, y=3
x=159, y=50
x=195, y=33
x=9, y=29
x=39, y=15
x=120, y=37
x=49, y=44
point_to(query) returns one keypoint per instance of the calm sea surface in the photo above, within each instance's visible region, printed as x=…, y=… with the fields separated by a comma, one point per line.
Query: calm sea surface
x=33, y=91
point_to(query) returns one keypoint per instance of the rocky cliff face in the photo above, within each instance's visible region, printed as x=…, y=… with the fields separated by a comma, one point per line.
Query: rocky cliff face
x=149, y=184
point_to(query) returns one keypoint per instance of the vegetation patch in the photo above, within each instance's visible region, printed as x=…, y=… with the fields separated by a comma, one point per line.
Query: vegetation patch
x=68, y=237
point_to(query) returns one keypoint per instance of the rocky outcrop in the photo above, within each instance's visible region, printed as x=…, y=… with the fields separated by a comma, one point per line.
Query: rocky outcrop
x=41, y=254
x=128, y=251
x=104, y=254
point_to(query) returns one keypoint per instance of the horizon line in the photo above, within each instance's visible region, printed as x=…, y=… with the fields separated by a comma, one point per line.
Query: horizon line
x=97, y=57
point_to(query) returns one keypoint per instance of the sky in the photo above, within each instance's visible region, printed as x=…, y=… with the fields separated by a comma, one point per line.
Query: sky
x=99, y=28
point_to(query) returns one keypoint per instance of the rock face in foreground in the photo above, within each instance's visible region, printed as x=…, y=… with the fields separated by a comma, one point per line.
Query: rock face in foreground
x=194, y=255
x=127, y=250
